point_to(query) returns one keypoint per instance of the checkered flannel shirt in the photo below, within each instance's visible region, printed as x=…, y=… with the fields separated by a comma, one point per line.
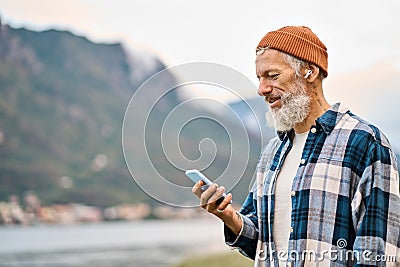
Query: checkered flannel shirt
x=345, y=197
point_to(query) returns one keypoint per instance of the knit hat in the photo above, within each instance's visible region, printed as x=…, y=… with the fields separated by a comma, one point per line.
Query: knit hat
x=300, y=42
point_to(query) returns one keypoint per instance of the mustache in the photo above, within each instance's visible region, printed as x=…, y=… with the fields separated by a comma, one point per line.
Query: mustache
x=295, y=89
x=284, y=96
x=273, y=97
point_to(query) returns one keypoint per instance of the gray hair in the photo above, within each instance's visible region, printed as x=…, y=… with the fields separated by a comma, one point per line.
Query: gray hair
x=295, y=63
x=298, y=64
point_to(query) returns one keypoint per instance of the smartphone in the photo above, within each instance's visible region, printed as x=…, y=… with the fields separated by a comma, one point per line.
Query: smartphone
x=196, y=175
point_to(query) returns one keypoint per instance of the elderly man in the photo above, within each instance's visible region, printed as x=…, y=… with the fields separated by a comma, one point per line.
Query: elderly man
x=327, y=189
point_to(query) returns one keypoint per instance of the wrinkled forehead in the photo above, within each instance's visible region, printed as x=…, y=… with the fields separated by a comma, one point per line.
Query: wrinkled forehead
x=269, y=56
x=271, y=60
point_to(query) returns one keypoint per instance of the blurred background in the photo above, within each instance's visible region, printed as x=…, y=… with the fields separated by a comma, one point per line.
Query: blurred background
x=67, y=72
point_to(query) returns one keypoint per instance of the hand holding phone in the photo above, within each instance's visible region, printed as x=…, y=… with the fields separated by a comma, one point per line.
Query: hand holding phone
x=196, y=175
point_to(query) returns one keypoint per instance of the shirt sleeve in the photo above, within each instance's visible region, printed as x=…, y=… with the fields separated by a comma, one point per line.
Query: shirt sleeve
x=246, y=241
x=376, y=210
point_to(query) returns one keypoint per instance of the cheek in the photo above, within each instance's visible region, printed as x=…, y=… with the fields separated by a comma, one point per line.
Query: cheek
x=292, y=86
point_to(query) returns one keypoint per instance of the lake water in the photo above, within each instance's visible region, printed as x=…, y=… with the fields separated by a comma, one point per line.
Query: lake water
x=134, y=244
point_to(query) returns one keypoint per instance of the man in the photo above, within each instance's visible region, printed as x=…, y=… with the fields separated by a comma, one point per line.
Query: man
x=327, y=189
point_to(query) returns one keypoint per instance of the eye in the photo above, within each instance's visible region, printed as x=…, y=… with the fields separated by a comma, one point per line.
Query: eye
x=273, y=76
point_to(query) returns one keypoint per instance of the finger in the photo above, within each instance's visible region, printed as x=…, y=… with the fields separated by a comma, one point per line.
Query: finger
x=225, y=202
x=206, y=195
x=217, y=195
x=196, y=189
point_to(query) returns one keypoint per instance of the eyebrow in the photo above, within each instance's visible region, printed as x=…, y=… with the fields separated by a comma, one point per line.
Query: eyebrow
x=268, y=71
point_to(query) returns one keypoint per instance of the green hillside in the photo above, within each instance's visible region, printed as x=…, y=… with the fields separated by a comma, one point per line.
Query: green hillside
x=61, y=109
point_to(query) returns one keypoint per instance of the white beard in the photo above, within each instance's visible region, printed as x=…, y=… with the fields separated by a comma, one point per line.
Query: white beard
x=295, y=109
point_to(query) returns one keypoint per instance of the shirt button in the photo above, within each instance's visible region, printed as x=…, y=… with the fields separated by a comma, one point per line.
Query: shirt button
x=313, y=130
x=291, y=229
x=302, y=161
x=293, y=193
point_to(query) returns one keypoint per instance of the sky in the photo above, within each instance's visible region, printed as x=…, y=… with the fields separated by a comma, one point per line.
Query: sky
x=362, y=36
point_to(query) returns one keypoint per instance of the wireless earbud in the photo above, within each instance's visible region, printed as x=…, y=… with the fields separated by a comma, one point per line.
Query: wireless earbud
x=308, y=74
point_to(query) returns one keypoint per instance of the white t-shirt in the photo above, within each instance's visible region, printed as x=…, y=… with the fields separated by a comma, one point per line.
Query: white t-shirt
x=283, y=202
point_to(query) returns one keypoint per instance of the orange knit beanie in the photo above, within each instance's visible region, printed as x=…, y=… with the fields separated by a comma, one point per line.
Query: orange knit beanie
x=300, y=42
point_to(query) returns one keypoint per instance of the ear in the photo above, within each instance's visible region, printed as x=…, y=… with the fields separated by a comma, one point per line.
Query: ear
x=314, y=73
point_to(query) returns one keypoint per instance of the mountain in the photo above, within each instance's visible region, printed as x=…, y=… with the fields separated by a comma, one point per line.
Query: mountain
x=61, y=109
x=62, y=105
x=251, y=111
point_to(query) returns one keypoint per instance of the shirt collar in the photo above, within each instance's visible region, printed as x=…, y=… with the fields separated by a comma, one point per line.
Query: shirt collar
x=282, y=135
x=327, y=121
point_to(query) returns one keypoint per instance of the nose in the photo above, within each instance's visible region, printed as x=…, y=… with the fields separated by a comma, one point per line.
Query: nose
x=263, y=87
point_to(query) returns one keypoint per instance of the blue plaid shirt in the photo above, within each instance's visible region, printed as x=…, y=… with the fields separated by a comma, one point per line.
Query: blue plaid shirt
x=345, y=198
